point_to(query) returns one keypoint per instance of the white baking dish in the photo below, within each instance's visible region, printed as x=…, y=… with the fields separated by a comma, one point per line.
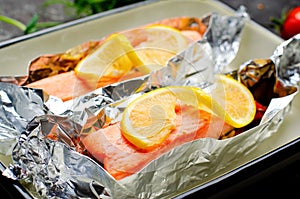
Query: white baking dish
x=257, y=42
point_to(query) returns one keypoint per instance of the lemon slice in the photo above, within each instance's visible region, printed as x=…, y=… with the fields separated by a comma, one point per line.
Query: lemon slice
x=116, y=56
x=148, y=120
x=164, y=37
x=161, y=44
x=113, y=59
x=153, y=59
x=232, y=101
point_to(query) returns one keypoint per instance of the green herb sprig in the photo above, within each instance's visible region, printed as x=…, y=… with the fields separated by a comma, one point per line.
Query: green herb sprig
x=90, y=7
x=81, y=8
x=32, y=26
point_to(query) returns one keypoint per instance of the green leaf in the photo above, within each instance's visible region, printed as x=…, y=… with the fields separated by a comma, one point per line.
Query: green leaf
x=31, y=26
x=42, y=25
x=63, y=2
x=13, y=22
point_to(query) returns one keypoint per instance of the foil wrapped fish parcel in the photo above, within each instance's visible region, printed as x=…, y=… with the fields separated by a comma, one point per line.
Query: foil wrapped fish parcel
x=45, y=142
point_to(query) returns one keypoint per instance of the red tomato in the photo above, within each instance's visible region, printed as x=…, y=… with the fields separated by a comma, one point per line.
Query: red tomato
x=291, y=25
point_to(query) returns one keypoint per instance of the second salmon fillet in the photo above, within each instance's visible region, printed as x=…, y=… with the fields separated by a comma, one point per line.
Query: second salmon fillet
x=121, y=159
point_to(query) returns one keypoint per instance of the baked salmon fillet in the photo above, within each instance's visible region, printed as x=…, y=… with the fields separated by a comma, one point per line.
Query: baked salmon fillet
x=67, y=86
x=121, y=159
x=47, y=72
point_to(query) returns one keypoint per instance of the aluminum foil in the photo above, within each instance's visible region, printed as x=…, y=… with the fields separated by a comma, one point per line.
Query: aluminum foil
x=58, y=168
x=18, y=107
x=287, y=59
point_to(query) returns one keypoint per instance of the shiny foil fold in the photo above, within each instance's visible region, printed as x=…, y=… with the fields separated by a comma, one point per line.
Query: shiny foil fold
x=18, y=106
x=287, y=58
x=59, y=168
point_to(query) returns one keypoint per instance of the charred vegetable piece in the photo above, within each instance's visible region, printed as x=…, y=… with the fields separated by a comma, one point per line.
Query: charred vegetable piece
x=260, y=77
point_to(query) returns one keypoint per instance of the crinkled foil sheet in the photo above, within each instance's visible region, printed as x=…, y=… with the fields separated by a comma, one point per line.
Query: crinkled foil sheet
x=18, y=107
x=55, y=169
